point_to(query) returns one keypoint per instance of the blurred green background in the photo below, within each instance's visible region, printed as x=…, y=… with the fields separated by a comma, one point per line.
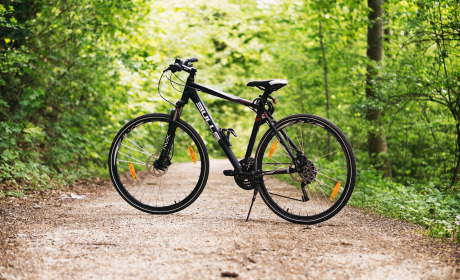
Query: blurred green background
x=73, y=72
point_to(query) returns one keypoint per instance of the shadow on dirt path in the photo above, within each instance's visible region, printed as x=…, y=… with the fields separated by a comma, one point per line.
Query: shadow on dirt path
x=102, y=237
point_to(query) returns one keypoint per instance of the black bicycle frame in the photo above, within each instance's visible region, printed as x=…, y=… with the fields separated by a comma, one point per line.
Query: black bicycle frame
x=190, y=92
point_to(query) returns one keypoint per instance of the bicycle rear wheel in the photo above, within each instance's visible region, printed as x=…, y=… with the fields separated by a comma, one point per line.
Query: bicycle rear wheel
x=328, y=170
x=132, y=155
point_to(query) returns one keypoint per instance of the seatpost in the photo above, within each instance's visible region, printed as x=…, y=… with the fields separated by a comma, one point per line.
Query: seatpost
x=266, y=94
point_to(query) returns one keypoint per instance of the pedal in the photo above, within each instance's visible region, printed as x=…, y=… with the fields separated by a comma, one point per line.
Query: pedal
x=229, y=172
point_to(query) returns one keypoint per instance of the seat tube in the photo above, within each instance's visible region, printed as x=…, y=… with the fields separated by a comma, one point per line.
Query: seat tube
x=257, y=123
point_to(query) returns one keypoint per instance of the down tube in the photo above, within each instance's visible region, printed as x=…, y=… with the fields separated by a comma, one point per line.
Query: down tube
x=214, y=129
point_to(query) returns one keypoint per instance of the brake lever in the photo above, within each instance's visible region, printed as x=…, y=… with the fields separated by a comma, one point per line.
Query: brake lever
x=173, y=68
x=179, y=66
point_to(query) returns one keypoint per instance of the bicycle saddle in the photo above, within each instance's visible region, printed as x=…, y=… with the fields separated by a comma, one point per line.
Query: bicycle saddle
x=268, y=85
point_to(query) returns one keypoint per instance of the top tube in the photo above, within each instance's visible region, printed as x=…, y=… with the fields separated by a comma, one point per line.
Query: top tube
x=223, y=95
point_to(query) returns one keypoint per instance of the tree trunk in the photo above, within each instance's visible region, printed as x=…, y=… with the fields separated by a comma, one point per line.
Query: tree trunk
x=454, y=179
x=326, y=86
x=326, y=82
x=376, y=137
x=387, y=33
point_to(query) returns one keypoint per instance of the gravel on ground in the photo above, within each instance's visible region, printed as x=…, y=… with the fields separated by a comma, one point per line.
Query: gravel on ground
x=90, y=232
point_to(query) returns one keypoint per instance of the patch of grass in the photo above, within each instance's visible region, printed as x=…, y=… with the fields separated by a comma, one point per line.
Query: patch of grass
x=438, y=210
x=18, y=178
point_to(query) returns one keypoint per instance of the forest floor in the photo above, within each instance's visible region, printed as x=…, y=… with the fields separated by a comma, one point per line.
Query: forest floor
x=60, y=234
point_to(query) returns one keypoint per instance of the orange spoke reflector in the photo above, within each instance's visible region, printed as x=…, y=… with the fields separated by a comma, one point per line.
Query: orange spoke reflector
x=272, y=149
x=192, y=154
x=336, y=189
x=133, y=172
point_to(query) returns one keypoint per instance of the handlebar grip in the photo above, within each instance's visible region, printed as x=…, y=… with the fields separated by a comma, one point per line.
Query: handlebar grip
x=192, y=59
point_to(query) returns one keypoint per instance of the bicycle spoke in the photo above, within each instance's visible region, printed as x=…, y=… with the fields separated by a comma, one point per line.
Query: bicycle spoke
x=151, y=192
x=276, y=161
x=301, y=137
x=140, y=184
x=153, y=137
x=282, y=147
x=321, y=189
x=135, y=149
x=324, y=153
x=140, y=147
x=331, y=171
x=284, y=154
x=181, y=166
x=142, y=163
x=324, y=184
x=138, y=141
x=285, y=196
x=327, y=176
x=159, y=188
x=137, y=160
x=295, y=133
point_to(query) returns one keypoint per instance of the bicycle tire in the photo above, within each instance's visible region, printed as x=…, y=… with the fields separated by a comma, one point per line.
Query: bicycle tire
x=335, y=166
x=146, y=188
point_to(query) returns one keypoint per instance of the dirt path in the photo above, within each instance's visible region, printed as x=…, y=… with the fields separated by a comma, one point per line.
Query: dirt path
x=102, y=237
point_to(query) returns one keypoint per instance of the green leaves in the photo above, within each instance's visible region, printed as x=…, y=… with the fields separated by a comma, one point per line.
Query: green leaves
x=423, y=204
x=32, y=99
x=57, y=85
x=10, y=154
x=33, y=133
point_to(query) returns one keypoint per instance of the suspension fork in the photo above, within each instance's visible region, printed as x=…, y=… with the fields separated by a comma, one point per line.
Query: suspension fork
x=164, y=159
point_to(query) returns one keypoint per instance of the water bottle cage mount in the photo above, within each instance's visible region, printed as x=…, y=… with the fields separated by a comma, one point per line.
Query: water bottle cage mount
x=227, y=132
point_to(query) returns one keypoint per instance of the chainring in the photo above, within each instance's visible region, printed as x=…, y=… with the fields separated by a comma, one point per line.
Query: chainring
x=246, y=182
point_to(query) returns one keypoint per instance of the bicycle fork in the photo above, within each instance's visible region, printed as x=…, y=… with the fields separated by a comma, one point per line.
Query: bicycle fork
x=164, y=160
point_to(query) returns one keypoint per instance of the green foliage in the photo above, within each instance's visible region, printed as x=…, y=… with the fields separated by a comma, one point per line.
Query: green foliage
x=438, y=211
x=422, y=74
x=73, y=72
x=55, y=84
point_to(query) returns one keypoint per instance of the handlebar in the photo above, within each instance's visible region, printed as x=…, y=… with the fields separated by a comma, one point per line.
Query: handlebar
x=185, y=65
x=192, y=59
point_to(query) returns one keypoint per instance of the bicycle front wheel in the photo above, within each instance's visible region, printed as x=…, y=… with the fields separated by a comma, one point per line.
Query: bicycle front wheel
x=322, y=185
x=131, y=164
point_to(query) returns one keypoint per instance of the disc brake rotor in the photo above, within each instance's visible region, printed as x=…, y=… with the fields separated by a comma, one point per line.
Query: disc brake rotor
x=149, y=165
x=308, y=173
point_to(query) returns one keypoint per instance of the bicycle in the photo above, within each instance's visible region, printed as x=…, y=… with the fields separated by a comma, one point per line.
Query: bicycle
x=303, y=167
